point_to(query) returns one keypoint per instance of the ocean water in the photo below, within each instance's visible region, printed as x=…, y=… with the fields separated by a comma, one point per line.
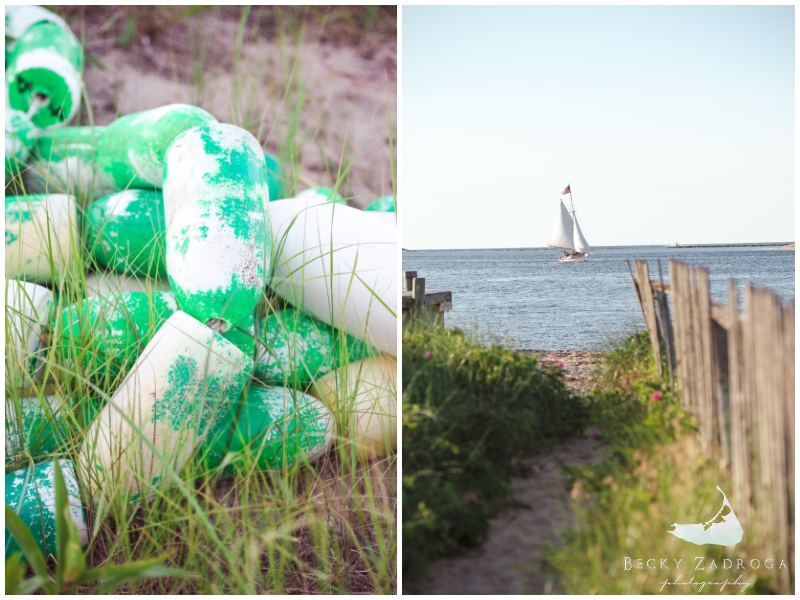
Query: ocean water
x=525, y=298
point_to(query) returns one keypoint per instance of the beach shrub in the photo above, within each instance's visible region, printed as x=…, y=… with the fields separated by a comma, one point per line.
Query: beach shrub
x=468, y=412
x=655, y=473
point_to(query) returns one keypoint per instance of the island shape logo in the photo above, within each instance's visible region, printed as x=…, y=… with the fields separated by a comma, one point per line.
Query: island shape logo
x=723, y=530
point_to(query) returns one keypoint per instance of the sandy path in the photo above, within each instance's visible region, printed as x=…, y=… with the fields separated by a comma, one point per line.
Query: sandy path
x=509, y=561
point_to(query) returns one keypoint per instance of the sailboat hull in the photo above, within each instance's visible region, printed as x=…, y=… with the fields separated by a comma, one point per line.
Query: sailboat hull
x=574, y=259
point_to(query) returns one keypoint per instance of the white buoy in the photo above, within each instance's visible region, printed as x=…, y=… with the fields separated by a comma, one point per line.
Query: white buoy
x=108, y=282
x=28, y=311
x=339, y=265
x=366, y=393
x=41, y=231
x=184, y=381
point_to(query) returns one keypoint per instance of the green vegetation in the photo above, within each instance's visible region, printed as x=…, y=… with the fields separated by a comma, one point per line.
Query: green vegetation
x=468, y=412
x=655, y=474
x=326, y=527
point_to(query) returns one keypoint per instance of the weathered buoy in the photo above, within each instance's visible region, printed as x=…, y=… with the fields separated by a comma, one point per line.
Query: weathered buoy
x=297, y=349
x=28, y=311
x=20, y=17
x=132, y=150
x=217, y=242
x=339, y=265
x=382, y=204
x=39, y=425
x=31, y=493
x=125, y=232
x=65, y=160
x=243, y=335
x=321, y=194
x=270, y=428
x=20, y=138
x=107, y=334
x=364, y=393
x=41, y=232
x=186, y=379
x=44, y=75
x=276, y=177
x=108, y=282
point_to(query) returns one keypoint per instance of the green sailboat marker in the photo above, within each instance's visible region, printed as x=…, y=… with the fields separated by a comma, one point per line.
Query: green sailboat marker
x=31, y=493
x=132, y=150
x=28, y=312
x=125, y=232
x=271, y=426
x=321, y=194
x=44, y=75
x=276, y=177
x=20, y=138
x=218, y=245
x=185, y=380
x=296, y=349
x=41, y=231
x=65, y=160
x=107, y=334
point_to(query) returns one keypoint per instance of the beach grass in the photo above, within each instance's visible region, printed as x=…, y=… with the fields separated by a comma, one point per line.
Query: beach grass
x=322, y=527
x=655, y=474
x=469, y=412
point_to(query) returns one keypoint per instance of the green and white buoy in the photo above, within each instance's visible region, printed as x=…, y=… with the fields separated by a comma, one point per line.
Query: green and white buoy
x=275, y=427
x=41, y=233
x=132, y=151
x=31, y=493
x=217, y=242
x=125, y=232
x=186, y=379
x=44, y=75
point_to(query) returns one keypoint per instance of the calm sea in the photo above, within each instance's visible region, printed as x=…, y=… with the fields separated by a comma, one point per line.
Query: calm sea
x=525, y=298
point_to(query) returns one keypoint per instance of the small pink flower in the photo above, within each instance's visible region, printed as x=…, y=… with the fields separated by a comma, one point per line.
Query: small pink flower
x=428, y=356
x=492, y=412
x=560, y=364
x=595, y=432
x=534, y=470
x=656, y=395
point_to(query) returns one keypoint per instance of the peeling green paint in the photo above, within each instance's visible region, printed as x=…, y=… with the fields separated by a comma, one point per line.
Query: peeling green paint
x=275, y=426
x=296, y=349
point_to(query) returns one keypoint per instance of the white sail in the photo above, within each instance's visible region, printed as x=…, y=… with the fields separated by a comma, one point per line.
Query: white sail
x=561, y=236
x=581, y=245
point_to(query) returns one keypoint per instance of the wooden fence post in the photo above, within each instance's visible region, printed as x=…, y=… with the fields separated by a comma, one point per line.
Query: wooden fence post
x=740, y=448
x=788, y=402
x=649, y=307
x=710, y=379
x=666, y=327
x=418, y=294
x=408, y=278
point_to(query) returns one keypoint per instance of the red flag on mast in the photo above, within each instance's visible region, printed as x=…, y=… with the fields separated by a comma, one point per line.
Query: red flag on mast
x=566, y=191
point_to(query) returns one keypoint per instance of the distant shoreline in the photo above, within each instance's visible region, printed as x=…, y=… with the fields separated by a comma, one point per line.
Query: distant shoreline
x=782, y=245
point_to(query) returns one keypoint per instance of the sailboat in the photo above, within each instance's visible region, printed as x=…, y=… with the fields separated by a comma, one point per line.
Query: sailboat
x=567, y=233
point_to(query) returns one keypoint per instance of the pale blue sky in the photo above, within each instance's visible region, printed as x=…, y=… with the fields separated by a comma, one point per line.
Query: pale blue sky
x=670, y=123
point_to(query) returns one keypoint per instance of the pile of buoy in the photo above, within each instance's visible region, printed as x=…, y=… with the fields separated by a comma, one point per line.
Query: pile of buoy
x=221, y=318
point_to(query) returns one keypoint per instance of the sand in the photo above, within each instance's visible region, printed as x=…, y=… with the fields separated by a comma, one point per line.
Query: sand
x=348, y=74
x=510, y=560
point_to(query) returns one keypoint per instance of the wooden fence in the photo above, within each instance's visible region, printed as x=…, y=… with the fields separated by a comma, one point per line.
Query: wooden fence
x=735, y=373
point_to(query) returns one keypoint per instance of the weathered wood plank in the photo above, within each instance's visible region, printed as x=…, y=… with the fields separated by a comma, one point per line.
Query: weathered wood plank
x=648, y=305
x=408, y=277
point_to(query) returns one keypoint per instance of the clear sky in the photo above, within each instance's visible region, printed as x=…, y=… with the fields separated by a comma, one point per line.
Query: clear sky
x=671, y=123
